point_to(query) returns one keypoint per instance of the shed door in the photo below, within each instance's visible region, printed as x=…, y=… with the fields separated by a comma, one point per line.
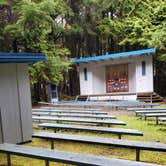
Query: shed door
x=117, y=78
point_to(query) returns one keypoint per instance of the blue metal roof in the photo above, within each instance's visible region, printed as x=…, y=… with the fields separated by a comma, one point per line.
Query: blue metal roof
x=21, y=57
x=116, y=55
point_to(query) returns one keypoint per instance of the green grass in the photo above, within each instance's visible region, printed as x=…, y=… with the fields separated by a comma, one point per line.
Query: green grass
x=150, y=130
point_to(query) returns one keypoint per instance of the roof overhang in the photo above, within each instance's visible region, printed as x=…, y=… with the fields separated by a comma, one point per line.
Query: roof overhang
x=21, y=57
x=116, y=55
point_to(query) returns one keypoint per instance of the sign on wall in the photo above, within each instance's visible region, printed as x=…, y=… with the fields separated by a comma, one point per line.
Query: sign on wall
x=117, y=78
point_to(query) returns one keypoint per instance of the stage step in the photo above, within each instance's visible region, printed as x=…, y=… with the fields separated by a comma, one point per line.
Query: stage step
x=149, y=97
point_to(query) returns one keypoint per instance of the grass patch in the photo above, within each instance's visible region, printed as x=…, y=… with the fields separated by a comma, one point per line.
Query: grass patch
x=151, y=132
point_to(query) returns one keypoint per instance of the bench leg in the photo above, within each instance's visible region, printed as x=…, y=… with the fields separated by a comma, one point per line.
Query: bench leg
x=46, y=163
x=157, y=121
x=8, y=159
x=52, y=144
x=119, y=136
x=145, y=117
x=137, y=154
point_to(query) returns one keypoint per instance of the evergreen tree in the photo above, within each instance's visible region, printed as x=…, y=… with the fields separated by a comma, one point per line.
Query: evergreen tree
x=85, y=27
x=36, y=30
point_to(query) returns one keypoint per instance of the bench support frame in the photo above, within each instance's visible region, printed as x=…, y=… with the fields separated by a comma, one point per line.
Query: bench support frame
x=9, y=163
x=137, y=154
x=120, y=136
x=52, y=144
x=157, y=120
x=8, y=159
x=46, y=163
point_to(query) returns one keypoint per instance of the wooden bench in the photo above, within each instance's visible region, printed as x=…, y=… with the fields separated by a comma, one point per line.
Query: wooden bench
x=112, y=104
x=145, y=109
x=162, y=119
x=42, y=113
x=118, y=131
x=71, y=111
x=156, y=115
x=136, y=105
x=138, y=145
x=79, y=120
x=74, y=115
x=149, y=112
x=72, y=108
x=63, y=157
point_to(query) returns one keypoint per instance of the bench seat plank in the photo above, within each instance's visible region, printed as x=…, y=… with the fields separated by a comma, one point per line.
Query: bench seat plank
x=145, y=109
x=155, y=115
x=79, y=120
x=66, y=157
x=119, y=131
x=72, y=108
x=42, y=113
x=71, y=111
x=162, y=119
x=112, y=104
x=150, y=112
x=75, y=115
x=154, y=146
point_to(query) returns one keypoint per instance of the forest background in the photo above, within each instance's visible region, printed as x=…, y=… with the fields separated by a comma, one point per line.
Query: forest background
x=68, y=29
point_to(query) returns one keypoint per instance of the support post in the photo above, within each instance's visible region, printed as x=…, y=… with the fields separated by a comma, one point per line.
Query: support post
x=137, y=154
x=151, y=99
x=52, y=144
x=119, y=136
x=157, y=121
x=46, y=163
x=8, y=159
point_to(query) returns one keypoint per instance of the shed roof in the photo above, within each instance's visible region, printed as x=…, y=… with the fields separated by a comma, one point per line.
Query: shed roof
x=115, y=55
x=21, y=57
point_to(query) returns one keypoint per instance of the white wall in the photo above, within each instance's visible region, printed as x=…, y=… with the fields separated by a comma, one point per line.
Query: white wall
x=86, y=86
x=95, y=83
x=132, y=77
x=144, y=83
x=99, y=86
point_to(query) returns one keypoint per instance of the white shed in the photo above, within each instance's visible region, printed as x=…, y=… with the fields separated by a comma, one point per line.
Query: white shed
x=15, y=97
x=120, y=73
